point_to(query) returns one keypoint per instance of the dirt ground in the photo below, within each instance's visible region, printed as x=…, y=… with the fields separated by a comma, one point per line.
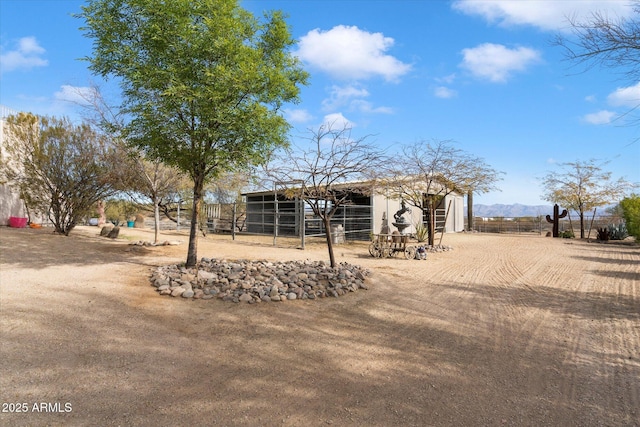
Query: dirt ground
x=503, y=330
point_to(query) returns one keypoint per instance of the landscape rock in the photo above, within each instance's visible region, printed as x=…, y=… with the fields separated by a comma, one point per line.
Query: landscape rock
x=114, y=233
x=259, y=281
x=104, y=231
x=139, y=222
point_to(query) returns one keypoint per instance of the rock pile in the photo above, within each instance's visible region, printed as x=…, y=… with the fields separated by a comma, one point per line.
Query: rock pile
x=110, y=231
x=259, y=281
x=437, y=248
x=147, y=243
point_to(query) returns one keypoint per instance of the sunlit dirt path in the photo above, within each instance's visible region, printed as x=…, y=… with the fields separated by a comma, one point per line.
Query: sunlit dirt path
x=503, y=330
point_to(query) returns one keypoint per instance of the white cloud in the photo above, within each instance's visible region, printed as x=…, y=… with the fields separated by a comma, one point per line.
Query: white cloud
x=367, y=107
x=76, y=94
x=495, y=62
x=351, y=97
x=342, y=95
x=347, y=52
x=446, y=79
x=29, y=45
x=337, y=121
x=625, y=96
x=544, y=14
x=297, y=115
x=26, y=56
x=602, y=117
x=590, y=98
x=444, y=92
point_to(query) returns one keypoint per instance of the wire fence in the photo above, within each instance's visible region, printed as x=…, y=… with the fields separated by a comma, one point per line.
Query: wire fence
x=539, y=225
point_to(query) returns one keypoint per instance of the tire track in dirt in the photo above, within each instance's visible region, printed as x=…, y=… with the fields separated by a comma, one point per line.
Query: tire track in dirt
x=604, y=344
x=619, y=330
x=504, y=330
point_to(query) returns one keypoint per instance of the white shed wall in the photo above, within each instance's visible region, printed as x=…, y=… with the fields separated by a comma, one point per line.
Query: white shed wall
x=455, y=220
x=10, y=202
x=390, y=205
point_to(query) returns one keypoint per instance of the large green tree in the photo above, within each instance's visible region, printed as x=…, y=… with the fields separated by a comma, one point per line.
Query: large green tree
x=631, y=211
x=202, y=82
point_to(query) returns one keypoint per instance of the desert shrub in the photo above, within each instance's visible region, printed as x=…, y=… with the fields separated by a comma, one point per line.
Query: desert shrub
x=631, y=212
x=618, y=232
x=568, y=234
x=59, y=167
x=603, y=234
x=119, y=210
x=422, y=232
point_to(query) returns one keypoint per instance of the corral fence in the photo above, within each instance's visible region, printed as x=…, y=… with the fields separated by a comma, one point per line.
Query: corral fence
x=517, y=225
x=539, y=224
x=286, y=218
x=225, y=217
x=281, y=217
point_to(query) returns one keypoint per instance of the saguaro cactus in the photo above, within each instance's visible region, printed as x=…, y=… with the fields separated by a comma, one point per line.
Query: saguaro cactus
x=556, y=218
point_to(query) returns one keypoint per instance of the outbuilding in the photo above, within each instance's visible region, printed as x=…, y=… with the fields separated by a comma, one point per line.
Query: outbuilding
x=273, y=213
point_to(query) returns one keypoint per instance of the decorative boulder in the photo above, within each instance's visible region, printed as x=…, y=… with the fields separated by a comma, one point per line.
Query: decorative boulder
x=139, y=223
x=113, y=234
x=104, y=231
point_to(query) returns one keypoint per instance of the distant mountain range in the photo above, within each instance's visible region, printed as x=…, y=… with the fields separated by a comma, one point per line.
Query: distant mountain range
x=516, y=210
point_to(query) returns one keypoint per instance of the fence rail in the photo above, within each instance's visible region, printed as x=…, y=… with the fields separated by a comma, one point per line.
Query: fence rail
x=525, y=225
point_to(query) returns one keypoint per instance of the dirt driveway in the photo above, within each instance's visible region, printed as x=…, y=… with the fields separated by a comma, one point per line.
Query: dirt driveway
x=503, y=330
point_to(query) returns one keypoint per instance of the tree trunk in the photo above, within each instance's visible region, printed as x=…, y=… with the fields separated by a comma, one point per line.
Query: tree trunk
x=327, y=226
x=156, y=218
x=431, y=224
x=192, y=254
x=581, y=224
x=470, y=210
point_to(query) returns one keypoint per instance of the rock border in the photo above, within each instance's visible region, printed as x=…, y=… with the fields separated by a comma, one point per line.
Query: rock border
x=259, y=281
x=163, y=243
x=435, y=248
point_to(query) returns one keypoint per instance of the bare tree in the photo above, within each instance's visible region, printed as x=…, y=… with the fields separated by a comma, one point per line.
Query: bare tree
x=143, y=178
x=227, y=187
x=154, y=181
x=609, y=42
x=431, y=170
x=583, y=186
x=327, y=173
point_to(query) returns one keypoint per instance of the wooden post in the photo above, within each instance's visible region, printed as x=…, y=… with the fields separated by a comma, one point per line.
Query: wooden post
x=302, y=224
x=275, y=215
x=591, y=224
x=470, y=210
x=234, y=219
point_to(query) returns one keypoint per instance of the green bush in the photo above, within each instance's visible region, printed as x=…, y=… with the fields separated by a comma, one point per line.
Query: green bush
x=422, y=233
x=568, y=234
x=119, y=210
x=618, y=232
x=631, y=212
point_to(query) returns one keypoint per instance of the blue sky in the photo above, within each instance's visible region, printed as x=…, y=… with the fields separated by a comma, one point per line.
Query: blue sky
x=481, y=73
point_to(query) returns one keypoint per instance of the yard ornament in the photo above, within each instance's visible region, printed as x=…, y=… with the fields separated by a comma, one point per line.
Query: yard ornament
x=556, y=217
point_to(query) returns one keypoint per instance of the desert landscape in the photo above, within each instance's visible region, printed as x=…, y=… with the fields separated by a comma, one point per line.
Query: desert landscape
x=513, y=330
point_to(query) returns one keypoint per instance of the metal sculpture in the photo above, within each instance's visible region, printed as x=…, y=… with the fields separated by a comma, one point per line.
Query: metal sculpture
x=556, y=218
